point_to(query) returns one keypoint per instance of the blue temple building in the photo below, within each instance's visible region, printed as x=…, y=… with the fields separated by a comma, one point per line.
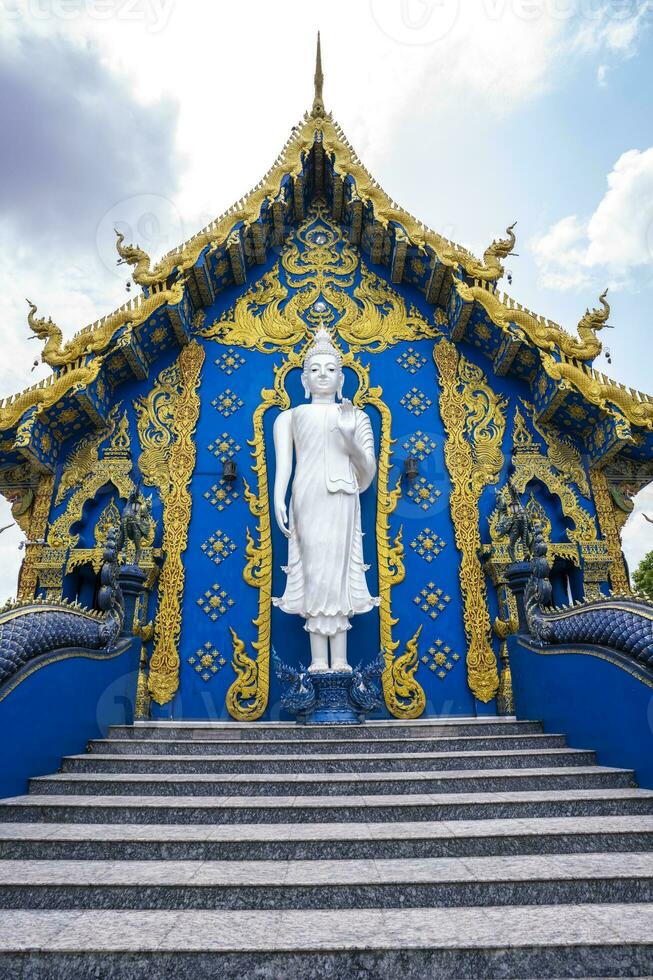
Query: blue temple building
x=472, y=398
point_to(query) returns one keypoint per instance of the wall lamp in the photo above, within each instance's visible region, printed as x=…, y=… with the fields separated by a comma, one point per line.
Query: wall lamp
x=229, y=471
x=411, y=467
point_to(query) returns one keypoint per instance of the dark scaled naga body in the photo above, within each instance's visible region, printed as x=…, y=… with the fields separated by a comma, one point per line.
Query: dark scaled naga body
x=621, y=623
x=40, y=627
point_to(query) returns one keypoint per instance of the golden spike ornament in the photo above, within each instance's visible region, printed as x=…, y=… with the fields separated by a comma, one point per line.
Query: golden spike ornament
x=318, y=82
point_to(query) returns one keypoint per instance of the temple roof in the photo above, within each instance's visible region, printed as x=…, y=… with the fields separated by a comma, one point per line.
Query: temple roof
x=318, y=162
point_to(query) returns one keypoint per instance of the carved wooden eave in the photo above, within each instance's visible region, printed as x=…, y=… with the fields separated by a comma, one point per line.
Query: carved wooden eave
x=317, y=161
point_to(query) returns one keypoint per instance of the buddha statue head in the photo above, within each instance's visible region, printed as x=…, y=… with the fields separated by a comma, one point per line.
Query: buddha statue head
x=322, y=369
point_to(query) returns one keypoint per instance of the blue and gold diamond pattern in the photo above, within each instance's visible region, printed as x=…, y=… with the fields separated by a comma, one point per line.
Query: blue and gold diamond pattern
x=230, y=361
x=427, y=544
x=411, y=360
x=227, y=403
x=221, y=494
x=423, y=493
x=415, y=401
x=224, y=447
x=207, y=661
x=215, y=602
x=431, y=600
x=419, y=445
x=440, y=659
x=218, y=547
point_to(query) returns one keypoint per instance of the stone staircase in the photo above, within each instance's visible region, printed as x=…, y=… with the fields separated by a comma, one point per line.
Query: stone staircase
x=457, y=848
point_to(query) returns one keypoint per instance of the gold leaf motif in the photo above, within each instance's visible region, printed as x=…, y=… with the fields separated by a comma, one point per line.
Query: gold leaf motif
x=267, y=318
x=243, y=697
x=404, y=696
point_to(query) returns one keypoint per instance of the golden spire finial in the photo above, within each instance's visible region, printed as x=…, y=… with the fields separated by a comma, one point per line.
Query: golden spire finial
x=318, y=80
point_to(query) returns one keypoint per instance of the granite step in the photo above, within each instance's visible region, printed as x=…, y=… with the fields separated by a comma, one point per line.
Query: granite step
x=318, y=784
x=490, y=942
x=433, y=882
x=306, y=747
x=302, y=842
x=132, y=809
x=342, y=762
x=290, y=730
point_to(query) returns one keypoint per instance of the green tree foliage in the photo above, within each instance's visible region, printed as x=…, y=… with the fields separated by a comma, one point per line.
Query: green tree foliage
x=643, y=576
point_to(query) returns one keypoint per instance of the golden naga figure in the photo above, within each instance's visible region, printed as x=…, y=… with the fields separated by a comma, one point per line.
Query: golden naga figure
x=96, y=337
x=136, y=256
x=45, y=330
x=490, y=268
x=595, y=319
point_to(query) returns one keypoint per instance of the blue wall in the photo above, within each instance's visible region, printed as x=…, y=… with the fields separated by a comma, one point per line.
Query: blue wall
x=591, y=698
x=55, y=710
x=239, y=374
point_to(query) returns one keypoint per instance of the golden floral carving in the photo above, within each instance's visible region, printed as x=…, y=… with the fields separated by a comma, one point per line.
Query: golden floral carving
x=246, y=689
x=610, y=530
x=531, y=464
x=28, y=578
x=256, y=319
x=87, y=473
x=167, y=419
x=373, y=318
x=474, y=422
x=563, y=455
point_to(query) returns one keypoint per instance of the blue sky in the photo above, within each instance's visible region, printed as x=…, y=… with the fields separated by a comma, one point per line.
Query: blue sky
x=158, y=114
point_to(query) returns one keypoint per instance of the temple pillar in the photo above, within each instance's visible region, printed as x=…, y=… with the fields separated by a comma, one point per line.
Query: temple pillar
x=132, y=583
x=517, y=575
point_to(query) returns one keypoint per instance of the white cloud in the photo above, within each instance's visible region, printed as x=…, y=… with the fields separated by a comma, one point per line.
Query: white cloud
x=560, y=254
x=615, y=240
x=619, y=232
x=602, y=75
x=612, y=27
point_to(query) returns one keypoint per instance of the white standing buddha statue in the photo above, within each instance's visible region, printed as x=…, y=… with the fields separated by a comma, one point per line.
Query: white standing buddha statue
x=334, y=463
